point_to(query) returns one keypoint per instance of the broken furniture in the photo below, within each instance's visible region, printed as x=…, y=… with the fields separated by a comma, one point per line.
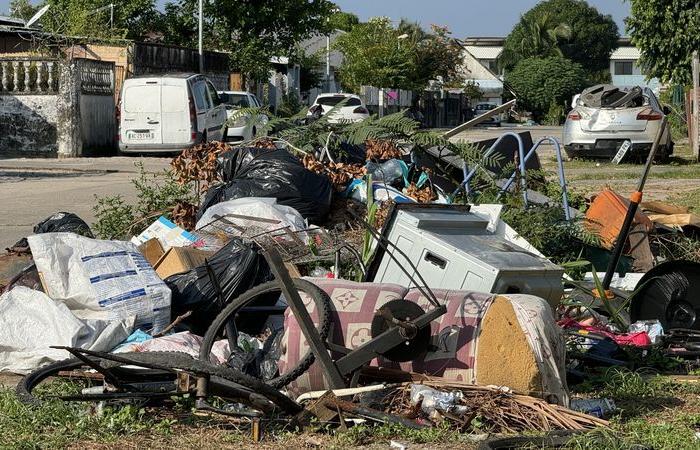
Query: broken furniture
x=486, y=339
x=453, y=248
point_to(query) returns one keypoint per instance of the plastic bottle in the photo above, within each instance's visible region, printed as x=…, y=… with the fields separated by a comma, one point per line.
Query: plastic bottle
x=388, y=171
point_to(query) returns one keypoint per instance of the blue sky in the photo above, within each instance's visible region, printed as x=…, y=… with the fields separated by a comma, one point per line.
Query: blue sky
x=463, y=17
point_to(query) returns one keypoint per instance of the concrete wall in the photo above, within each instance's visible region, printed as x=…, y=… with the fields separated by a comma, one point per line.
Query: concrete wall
x=28, y=125
x=60, y=109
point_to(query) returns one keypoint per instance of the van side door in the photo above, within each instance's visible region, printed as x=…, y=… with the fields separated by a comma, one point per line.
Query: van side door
x=202, y=105
x=216, y=118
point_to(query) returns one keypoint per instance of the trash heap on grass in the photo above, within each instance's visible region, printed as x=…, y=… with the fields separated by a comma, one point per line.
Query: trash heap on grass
x=483, y=324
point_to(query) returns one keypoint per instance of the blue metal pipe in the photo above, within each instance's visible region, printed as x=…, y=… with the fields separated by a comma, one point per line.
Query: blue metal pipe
x=560, y=169
x=521, y=155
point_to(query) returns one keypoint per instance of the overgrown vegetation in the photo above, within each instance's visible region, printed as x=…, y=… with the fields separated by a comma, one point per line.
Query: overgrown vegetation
x=664, y=32
x=157, y=194
x=543, y=82
x=570, y=28
x=406, y=57
x=60, y=424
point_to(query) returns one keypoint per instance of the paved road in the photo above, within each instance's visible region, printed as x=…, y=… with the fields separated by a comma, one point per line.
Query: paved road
x=33, y=189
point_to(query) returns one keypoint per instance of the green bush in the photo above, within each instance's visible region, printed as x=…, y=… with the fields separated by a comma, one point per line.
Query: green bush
x=540, y=82
x=555, y=115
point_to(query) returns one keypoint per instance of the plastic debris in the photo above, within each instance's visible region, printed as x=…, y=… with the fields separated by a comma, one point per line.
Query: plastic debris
x=432, y=400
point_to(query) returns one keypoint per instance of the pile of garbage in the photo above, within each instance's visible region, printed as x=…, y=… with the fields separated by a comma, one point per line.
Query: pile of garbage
x=480, y=309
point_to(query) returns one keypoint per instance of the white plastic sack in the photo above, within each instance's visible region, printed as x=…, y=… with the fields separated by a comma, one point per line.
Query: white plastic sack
x=101, y=279
x=264, y=208
x=30, y=322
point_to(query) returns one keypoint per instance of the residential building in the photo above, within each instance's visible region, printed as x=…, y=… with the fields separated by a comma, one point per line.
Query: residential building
x=480, y=63
x=481, y=56
x=625, y=70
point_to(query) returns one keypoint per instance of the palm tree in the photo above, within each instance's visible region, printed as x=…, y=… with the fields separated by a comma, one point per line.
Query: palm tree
x=539, y=37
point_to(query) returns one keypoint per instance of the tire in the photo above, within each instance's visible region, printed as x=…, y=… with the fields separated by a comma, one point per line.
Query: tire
x=321, y=300
x=175, y=360
x=29, y=382
x=32, y=379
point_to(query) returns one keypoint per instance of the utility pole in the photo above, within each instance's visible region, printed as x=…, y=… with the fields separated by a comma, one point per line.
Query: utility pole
x=111, y=15
x=695, y=128
x=328, y=63
x=201, y=46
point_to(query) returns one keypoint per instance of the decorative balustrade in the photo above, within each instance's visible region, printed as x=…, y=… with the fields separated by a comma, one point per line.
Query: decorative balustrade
x=28, y=76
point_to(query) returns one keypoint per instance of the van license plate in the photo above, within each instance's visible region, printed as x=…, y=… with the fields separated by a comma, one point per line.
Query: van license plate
x=140, y=136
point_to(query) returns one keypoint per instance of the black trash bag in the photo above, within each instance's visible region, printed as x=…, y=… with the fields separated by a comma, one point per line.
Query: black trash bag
x=257, y=172
x=238, y=267
x=59, y=222
x=63, y=221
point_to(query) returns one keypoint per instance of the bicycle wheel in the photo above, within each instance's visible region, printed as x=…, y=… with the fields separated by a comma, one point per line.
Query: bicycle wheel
x=238, y=308
x=28, y=386
x=136, y=382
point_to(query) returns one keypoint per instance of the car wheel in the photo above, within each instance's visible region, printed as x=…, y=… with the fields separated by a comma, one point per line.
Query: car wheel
x=570, y=154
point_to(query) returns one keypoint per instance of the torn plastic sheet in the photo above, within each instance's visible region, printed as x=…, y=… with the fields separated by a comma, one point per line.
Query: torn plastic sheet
x=30, y=323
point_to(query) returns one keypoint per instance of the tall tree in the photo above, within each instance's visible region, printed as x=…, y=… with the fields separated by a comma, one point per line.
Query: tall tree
x=344, y=21
x=666, y=32
x=593, y=36
x=91, y=18
x=541, y=37
x=406, y=57
x=22, y=9
x=253, y=32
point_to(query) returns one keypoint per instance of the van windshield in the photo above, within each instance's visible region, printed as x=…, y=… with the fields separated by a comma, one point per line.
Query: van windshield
x=235, y=100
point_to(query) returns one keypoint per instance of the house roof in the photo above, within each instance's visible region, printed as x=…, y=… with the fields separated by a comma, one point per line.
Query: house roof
x=626, y=52
x=12, y=21
x=483, y=52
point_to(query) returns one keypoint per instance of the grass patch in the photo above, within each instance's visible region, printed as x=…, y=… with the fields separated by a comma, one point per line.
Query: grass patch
x=57, y=424
x=689, y=199
x=655, y=412
x=608, y=171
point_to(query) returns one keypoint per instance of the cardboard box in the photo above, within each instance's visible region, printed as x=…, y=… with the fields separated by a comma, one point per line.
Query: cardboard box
x=152, y=251
x=180, y=259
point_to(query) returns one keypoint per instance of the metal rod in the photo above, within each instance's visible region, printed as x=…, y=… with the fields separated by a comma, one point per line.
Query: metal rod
x=521, y=156
x=200, y=36
x=635, y=200
x=320, y=351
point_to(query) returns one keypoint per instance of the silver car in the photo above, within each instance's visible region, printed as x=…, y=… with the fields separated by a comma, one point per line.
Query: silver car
x=604, y=117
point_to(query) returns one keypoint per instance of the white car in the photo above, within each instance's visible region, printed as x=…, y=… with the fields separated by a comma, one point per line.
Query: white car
x=168, y=113
x=483, y=108
x=353, y=108
x=241, y=129
x=605, y=117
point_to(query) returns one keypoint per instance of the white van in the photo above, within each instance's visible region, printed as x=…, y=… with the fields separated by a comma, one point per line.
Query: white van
x=168, y=113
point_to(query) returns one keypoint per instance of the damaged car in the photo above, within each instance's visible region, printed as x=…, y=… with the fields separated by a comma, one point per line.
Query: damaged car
x=605, y=117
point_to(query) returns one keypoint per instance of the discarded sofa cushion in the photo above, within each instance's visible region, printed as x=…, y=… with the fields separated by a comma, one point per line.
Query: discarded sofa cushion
x=483, y=338
x=256, y=172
